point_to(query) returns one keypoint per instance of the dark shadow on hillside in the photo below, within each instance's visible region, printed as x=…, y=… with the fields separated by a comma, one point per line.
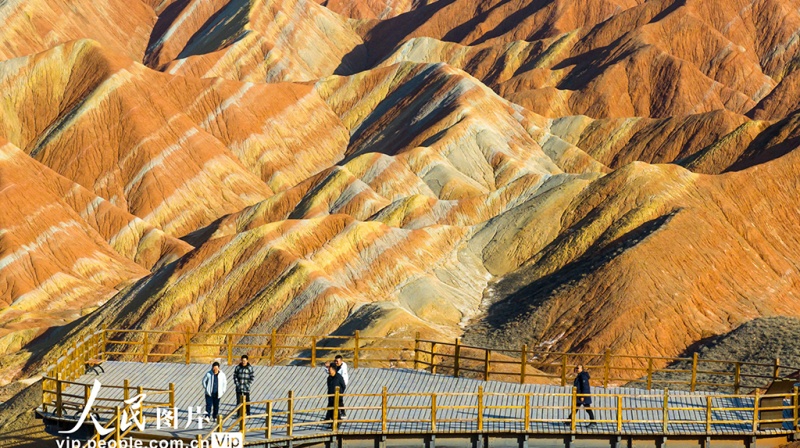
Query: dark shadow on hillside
x=762, y=150
x=671, y=7
x=165, y=19
x=203, y=234
x=515, y=19
x=460, y=32
x=388, y=34
x=521, y=297
x=221, y=30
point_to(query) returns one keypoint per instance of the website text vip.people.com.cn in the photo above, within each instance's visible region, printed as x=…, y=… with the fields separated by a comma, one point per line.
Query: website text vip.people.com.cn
x=217, y=440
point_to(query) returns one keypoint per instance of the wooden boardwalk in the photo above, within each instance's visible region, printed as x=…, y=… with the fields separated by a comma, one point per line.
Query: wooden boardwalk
x=642, y=412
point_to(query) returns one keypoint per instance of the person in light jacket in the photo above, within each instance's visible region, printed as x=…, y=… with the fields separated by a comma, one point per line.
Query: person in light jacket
x=214, y=385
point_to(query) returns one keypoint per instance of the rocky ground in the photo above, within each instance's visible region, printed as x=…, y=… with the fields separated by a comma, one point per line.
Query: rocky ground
x=760, y=340
x=19, y=427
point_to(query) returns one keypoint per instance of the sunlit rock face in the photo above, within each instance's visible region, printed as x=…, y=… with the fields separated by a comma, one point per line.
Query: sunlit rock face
x=574, y=175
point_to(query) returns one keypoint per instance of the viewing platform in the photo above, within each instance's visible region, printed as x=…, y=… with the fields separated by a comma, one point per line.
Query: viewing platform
x=396, y=401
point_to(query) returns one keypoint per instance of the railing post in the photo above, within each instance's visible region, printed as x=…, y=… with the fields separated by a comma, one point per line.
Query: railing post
x=619, y=414
x=335, y=408
x=649, y=373
x=229, y=343
x=564, y=370
x=606, y=368
x=487, y=363
x=86, y=392
x=104, y=341
x=355, y=351
x=219, y=423
x=117, y=418
x=574, y=407
x=290, y=418
x=708, y=414
x=125, y=389
x=776, y=369
x=199, y=440
x=313, y=351
x=188, y=347
x=523, y=364
x=796, y=411
x=243, y=415
x=665, y=412
x=144, y=348
x=59, y=398
x=755, y=412
x=73, y=362
x=693, y=384
x=384, y=406
x=433, y=412
x=737, y=377
x=433, y=358
x=273, y=340
x=269, y=420
x=527, y=418
x=480, y=408
x=456, y=355
x=171, y=395
x=416, y=351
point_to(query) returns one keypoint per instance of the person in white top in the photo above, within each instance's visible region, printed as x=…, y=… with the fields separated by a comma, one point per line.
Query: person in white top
x=214, y=385
x=341, y=368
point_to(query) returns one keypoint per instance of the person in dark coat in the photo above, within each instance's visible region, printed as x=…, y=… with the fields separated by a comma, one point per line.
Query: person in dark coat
x=583, y=389
x=243, y=377
x=334, y=380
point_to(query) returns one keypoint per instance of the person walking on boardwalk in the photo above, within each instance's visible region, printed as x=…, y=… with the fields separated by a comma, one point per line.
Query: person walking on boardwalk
x=214, y=385
x=243, y=377
x=341, y=368
x=334, y=380
x=583, y=389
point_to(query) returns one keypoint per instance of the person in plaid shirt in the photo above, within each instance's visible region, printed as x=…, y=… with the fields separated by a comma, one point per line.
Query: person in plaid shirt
x=243, y=377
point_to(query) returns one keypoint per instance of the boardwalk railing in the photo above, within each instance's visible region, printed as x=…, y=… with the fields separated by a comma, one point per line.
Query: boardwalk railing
x=662, y=412
x=451, y=358
x=72, y=364
x=608, y=369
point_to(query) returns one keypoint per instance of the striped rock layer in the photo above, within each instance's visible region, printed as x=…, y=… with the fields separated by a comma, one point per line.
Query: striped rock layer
x=581, y=175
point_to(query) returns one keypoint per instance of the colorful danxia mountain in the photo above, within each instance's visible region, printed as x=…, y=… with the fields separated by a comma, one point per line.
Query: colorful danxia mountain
x=584, y=175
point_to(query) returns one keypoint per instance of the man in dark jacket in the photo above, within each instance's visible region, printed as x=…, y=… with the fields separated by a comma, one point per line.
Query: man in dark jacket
x=583, y=389
x=243, y=377
x=334, y=380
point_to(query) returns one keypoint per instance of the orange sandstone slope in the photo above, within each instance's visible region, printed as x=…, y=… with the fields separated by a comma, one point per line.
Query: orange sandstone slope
x=656, y=59
x=261, y=41
x=151, y=143
x=655, y=259
x=63, y=252
x=456, y=167
x=382, y=233
x=528, y=262
x=33, y=26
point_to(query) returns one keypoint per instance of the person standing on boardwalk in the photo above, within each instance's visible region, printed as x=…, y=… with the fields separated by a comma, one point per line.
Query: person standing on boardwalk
x=583, y=390
x=334, y=380
x=243, y=377
x=214, y=385
x=341, y=368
